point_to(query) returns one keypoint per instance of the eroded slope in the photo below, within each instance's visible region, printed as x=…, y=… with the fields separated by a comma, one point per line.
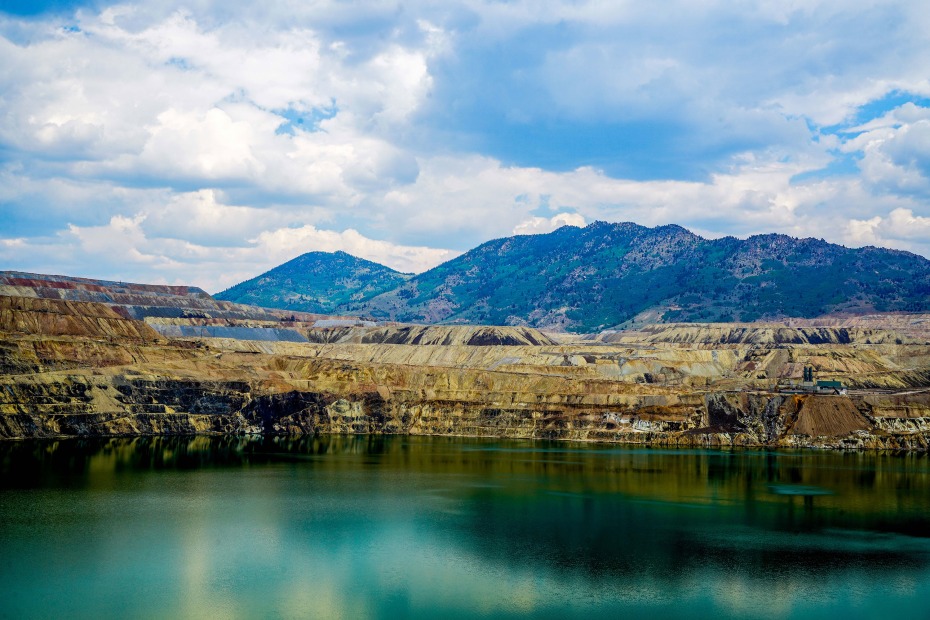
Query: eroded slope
x=102, y=381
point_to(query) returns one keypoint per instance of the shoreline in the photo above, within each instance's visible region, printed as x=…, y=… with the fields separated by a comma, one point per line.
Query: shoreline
x=916, y=443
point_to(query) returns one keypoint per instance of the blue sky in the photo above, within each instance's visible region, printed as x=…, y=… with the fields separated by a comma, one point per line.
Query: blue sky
x=205, y=142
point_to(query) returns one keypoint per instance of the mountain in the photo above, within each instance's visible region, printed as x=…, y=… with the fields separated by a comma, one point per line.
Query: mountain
x=605, y=275
x=316, y=282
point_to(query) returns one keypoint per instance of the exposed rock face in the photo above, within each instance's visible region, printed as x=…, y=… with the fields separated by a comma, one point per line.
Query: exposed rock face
x=736, y=333
x=461, y=335
x=51, y=317
x=114, y=406
x=137, y=301
x=85, y=369
x=86, y=289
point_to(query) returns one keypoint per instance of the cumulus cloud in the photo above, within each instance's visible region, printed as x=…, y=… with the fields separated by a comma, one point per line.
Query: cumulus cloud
x=204, y=142
x=481, y=196
x=175, y=104
x=122, y=249
x=900, y=229
x=894, y=150
x=291, y=241
x=541, y=225
x=204, y=218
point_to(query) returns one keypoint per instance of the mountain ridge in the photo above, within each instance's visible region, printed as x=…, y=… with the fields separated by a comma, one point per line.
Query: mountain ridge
x=318, y=282
x=611, y=274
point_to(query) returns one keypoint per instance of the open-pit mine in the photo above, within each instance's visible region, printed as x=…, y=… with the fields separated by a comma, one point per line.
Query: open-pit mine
x=92, y=358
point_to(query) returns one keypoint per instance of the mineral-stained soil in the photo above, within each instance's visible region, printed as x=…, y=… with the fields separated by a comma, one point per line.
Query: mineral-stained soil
x=137, y=301
x=52, y=317
x=70, y=368
x=446, y=335
x=829, y=416
x=762, y=334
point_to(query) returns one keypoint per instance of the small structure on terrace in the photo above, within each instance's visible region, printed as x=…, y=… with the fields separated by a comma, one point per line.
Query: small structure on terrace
x=808, y=384
x=830, y=387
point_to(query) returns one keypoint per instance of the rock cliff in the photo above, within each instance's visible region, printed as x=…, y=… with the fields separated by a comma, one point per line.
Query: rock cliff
x=86, y=368
x=750, y=333
x=138, y=301
x=83, y=369
x=430, y=335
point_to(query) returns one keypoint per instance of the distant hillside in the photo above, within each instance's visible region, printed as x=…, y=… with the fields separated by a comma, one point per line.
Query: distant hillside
x=316, y=282
x=137, y=301
x=604, y=275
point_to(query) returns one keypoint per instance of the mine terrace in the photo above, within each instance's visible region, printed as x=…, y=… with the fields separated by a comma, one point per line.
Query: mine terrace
x=93, y=358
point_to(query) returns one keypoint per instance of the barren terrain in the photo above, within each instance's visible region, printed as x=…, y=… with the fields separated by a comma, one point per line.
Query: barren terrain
x=79, y=368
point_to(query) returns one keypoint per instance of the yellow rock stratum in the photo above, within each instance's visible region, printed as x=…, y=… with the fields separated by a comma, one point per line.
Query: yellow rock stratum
x=84, y=369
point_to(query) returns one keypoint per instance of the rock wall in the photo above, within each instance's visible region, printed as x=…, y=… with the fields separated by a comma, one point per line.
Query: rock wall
x=70, y=368
x=443, y=335
x=754, y=333
x=138, y=301
x=51, y=317
x=126, y=405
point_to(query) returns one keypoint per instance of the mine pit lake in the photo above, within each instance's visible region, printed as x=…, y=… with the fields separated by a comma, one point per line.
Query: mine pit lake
x=395, y=526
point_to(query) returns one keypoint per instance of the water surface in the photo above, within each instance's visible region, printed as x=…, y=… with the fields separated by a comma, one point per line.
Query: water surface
x=386, y=527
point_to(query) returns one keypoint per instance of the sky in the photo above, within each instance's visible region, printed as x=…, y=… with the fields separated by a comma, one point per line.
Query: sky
x=205, y=142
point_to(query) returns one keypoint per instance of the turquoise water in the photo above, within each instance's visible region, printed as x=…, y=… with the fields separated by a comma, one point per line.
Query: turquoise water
x=387, y=527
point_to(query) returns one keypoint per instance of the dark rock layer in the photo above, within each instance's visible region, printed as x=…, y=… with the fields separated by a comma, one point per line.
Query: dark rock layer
x=139, y=406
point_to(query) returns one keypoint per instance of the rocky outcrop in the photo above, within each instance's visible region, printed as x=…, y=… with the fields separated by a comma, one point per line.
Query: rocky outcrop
x=138, y=301
x=758, y=334
x=87, y=369
x=49, y=317
x=357, y=400
x=460, y=335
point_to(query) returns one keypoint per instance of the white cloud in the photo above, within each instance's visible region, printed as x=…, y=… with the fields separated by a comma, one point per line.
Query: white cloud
x=895, y=150
x=910, y=148
x=819, y=60
x=210, y=146
x=205, y=219
x=201, y=238
x=205, y=143
x=174, y=102
x=482, y=198
x=122, y=249
x=542, y=225
x=900, y=229
x=294, y=241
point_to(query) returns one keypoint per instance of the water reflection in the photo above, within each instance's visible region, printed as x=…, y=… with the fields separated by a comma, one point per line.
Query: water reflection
x=383, y=526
